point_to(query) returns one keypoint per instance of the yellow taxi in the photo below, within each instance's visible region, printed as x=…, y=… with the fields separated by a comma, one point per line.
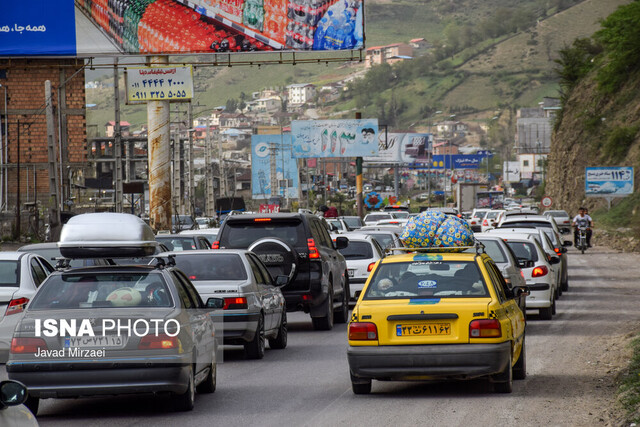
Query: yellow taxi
x=428, y=315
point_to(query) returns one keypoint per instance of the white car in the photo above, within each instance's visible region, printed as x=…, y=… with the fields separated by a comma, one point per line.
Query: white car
x=210, y=234
x=399, y=222
x=492, y=219
x=387, y=238
x=374, y=217
x=536, y=269
x=20, y=275
x=361, y=255
x=476, y=219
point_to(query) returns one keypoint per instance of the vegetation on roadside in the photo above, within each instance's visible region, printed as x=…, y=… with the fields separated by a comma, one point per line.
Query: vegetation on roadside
x=629, y=389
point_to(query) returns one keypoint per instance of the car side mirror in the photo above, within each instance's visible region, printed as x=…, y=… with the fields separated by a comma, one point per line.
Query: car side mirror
x=525, y=263
x=341, y=242
x=282, y=280
x=522, y=291
x=554, y=260
x=216, y=303
x=12, y=393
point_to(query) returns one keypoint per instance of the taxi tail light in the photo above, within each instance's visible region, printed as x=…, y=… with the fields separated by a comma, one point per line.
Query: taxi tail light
x=363, y=331
x=540, y=271
x=370, y=267
x=313, y=250
x=235, y=303
x=155, y=342
x=215, y=245
x=27, y=345
x=16, y=306
x=485, y=328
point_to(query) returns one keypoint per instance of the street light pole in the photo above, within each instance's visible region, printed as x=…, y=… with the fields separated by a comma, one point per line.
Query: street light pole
x=430, y=157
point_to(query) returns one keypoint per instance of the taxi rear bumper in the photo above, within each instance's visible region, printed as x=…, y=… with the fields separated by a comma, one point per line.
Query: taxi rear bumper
x=461, y=361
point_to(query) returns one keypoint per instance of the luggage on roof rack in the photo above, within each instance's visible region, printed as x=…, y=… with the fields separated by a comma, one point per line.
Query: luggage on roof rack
x=106, y=235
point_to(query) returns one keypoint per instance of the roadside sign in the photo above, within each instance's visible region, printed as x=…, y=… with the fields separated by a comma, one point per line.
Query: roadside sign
x=608, y=181
x=546, y=202
x=159, y=84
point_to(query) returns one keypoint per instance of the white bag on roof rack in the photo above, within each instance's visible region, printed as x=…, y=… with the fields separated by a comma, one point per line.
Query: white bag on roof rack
x=106, y=235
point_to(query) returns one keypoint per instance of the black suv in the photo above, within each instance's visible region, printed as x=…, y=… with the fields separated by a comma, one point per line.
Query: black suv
x=297, y=245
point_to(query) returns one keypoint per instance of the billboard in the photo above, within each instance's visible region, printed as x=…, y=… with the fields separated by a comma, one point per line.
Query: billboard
x=273, y=152
x=609, y=181
x=511, y=172
x=334, y=138
x=164, y=27
x=159, y=84
x=445, y=161
x=402, y=148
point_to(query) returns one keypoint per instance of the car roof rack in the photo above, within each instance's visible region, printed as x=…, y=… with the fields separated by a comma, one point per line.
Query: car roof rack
x=479, y=247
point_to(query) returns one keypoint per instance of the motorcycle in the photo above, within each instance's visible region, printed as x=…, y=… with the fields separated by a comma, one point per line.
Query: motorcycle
x=582, y=239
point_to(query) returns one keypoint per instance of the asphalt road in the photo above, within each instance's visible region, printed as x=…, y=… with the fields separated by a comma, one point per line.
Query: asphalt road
x=571, y=362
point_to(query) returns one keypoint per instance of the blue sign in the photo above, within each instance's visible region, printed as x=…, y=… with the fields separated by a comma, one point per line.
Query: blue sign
x=335, y=138
x=444, y=161
x=609, y=181
x=264, y=148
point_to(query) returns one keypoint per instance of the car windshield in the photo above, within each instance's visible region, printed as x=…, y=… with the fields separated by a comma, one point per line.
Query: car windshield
x=442, y=279
x=178, y=243
x=480, y=214
x=401, y=215
x=241, y=234
x=492, y=214
x=385, y=240
x=336, y=224
x=536, y=224
x=357, y=250
x=378, y=217
x=212, y=266
x=9, y=274
x=353, y=222
x=90, y=290
x=557, y=214
x=524, y=251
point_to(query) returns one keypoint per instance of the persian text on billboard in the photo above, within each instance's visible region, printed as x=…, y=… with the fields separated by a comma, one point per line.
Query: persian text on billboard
x=143, y=27
x=609, y=181
x=334, y=138
x=402, y=148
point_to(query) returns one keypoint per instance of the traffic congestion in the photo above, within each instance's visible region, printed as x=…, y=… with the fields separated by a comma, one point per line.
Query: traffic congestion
x=427, y=297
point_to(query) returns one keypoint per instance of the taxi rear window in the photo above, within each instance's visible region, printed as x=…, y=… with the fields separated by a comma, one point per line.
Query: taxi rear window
x=424, y=279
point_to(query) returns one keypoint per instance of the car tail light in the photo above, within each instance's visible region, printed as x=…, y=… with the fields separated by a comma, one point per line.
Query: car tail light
x=16, y=306
x=370, y=267
x=363, y=331
x=522, y=274
x=540, y=271
x=27, y=345
x=557, y=250
x=235, y=303
x=485, y=222
x=307, y=297
x=155, y=342
x=215, y=244
x=262, y=220
x=313, y=250
x=485, y=328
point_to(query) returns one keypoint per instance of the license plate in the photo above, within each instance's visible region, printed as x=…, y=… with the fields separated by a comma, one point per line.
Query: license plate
x=351, y=272
x=108, y=341
x=421, y=330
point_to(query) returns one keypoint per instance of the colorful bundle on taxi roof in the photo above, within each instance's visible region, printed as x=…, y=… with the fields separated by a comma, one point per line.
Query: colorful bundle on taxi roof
x=435, y=229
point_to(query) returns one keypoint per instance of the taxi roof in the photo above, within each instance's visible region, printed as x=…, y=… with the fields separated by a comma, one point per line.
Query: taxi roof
x=430, y=256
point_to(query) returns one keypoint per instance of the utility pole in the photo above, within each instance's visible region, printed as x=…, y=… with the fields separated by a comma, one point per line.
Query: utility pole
x=54, y=196
x=117, y=143
x=191, y=194
x=209, y=200
x=359, y=196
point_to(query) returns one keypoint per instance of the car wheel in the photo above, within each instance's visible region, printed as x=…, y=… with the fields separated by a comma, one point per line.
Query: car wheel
x=520, y=368
x=325, y=323
x=33, y=403
x=565, y=285
x=342, y=315
x=280, y=341
x=254, y=349
x=360, y=386
x=185, y=401
x=546, y=313
x=209, y=384
x=503, y=382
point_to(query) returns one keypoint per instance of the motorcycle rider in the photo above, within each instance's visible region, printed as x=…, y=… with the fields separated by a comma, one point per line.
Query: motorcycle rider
x=582, y=220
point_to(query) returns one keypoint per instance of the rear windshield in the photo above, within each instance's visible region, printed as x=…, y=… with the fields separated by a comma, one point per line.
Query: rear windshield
x=421, y=279
x=357, y=250
x=480, y=214
x=52, y=253
x=112, y=290
x=536, y=224
x=9, y=274
x=241, y=234
x=384, y=240
x=371, y=217
x=178, y=243
x=337, y=224
x=491, y=215
x=353, y=222
x=212, y=267
x=557, y=214
x=524, y=250
x=494, y=250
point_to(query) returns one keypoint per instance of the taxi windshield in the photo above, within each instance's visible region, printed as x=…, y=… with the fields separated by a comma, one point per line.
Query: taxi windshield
x=426, y=279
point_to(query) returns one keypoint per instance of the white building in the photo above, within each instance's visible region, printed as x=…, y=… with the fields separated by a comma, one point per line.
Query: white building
x=301, y=93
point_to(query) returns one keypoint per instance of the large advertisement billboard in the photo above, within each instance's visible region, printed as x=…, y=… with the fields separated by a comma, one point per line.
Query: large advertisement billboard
x=402, y=148
x=163, y=27
x=609, y=181
x=273, y=153
x=334, y=138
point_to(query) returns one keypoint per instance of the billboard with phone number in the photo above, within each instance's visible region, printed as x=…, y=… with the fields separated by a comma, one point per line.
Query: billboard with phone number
x=609, y=181
x=142, y=27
